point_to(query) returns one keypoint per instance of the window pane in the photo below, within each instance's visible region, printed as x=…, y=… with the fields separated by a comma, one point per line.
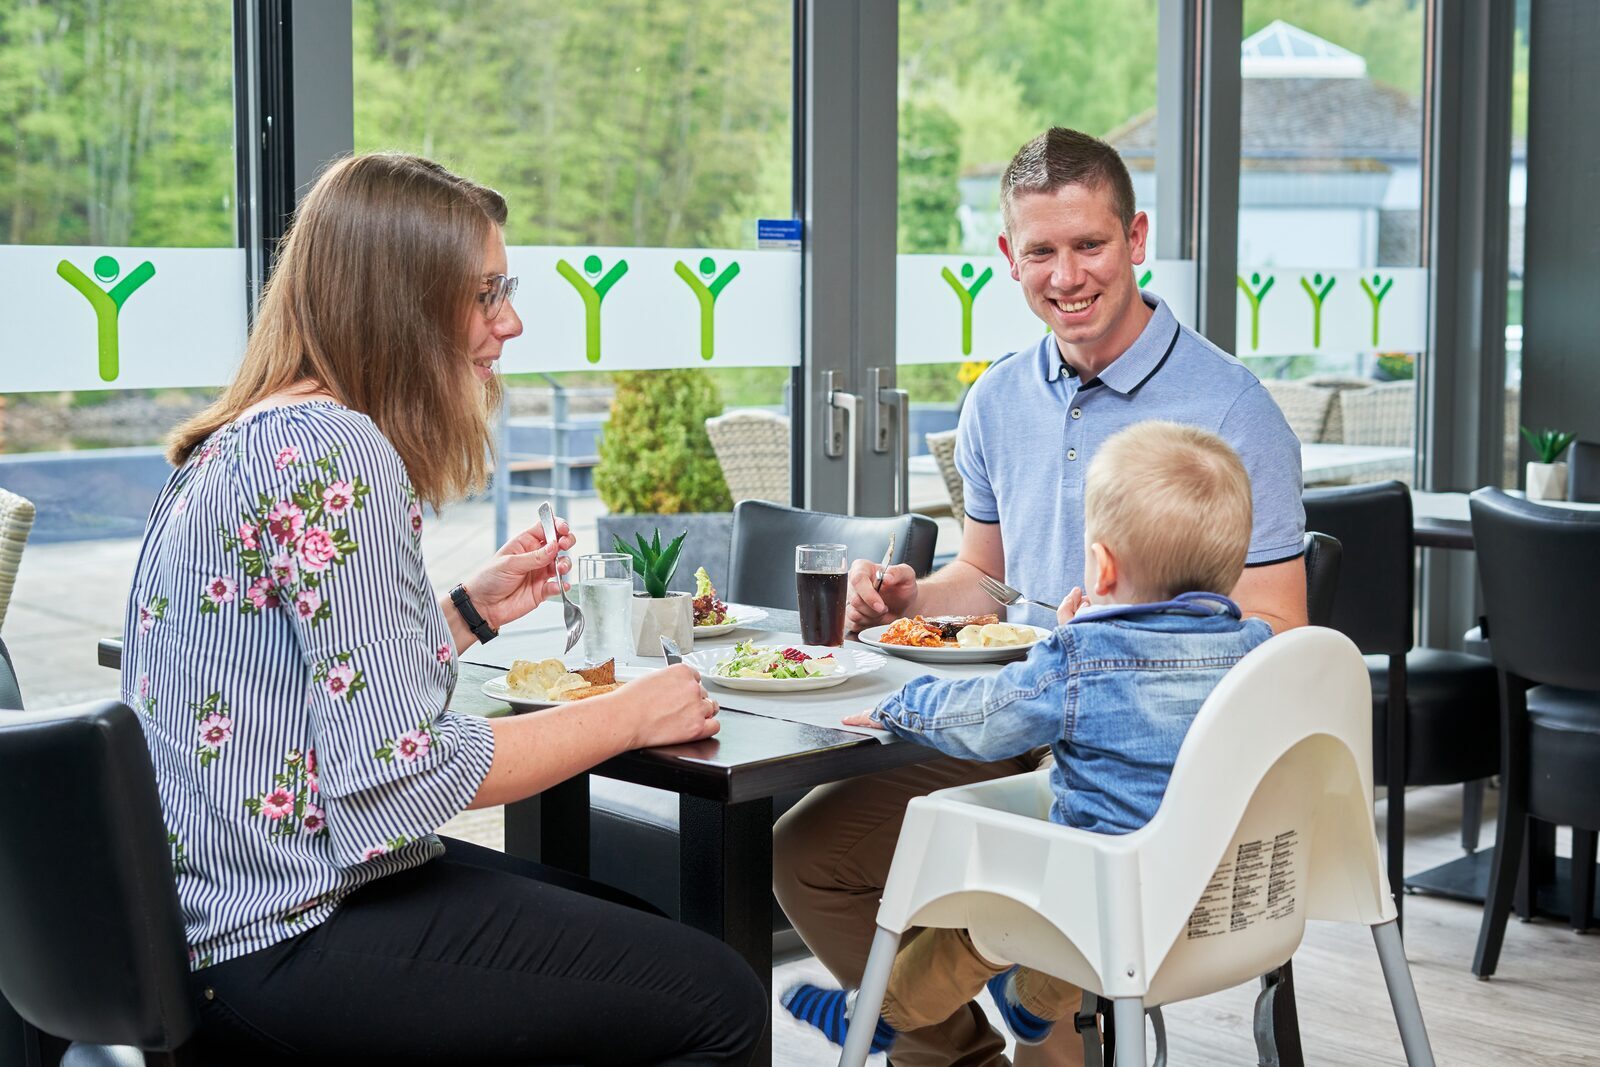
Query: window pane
x=1511, y=475
x=1332, y=297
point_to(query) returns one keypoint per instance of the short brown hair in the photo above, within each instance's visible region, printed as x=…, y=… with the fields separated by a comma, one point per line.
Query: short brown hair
x=1173, y=503
x=369, y=300
x=1060, y=157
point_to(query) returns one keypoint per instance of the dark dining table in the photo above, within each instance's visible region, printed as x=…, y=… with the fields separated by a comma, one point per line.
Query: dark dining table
x=725, y=788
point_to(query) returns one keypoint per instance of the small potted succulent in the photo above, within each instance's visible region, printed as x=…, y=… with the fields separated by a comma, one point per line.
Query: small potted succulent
x=658, y=611
x=1547, y=478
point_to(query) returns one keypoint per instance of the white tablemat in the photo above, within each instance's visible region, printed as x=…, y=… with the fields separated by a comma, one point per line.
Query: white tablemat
x=540, y=635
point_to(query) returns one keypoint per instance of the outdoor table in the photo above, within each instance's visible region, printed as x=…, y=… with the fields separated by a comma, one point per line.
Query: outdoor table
x=725, y=784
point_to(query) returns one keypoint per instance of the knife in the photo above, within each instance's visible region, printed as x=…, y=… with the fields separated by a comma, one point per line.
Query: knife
x=669, y=649
x=883, y=568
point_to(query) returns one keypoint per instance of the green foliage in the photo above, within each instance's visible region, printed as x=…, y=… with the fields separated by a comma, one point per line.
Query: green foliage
x=929, y=196
x=655, y=456
x=651, y=562
x=1549, y=444
x=1399, y=366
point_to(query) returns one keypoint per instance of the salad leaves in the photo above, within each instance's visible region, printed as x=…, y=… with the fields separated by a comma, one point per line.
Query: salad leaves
x=708, y=609
x=766, y=661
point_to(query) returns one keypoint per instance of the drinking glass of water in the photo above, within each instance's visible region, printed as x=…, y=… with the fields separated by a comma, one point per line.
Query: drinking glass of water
x=605, y=595
x=819, y=574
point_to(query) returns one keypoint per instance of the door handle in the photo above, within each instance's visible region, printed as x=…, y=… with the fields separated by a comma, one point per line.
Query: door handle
x=842, y=429
x=893, y=405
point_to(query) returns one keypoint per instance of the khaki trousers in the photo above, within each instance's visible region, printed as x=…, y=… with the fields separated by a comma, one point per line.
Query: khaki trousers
x=831, y=856
x=942, y=970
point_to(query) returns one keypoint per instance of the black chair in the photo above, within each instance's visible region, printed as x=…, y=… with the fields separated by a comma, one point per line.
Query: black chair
x=761, y=567
x=1449, y=729
x=94, y=948
x=1540, y=571
x=1583, y=472
x=633, y=829
x=1323, y=555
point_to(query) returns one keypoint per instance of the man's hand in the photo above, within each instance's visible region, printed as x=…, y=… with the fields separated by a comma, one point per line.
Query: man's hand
x=873, y=607
x=862, y=718
x=1075, y=602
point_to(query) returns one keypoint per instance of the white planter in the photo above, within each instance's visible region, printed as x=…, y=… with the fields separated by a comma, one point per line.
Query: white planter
x=1547, y=481
x=669, y=616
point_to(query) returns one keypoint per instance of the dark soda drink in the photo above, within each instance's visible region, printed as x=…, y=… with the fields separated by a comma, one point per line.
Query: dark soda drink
x=822, y=598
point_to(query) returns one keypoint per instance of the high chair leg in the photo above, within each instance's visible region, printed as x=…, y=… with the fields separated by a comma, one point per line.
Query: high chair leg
x=869, y=1002
x=1129, y=1015
x=1402, y=994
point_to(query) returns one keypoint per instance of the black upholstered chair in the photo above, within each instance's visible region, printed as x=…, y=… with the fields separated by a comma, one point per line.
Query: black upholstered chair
x=1448, y=730
x=1540, y=571
x=1583, y=472
x=94, y=948
x=761, y=563
x=1323, y=555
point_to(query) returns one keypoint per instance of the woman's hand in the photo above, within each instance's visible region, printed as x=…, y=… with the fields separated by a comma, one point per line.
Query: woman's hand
x=670, y=707
x=521, y=575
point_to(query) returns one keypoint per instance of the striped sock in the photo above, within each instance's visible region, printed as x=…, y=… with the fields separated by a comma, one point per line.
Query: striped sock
x=829, y=1011
x=1024, y=1025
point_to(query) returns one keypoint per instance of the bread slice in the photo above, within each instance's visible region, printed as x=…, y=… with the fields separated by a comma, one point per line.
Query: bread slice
x=600, y=674
x=589, y=691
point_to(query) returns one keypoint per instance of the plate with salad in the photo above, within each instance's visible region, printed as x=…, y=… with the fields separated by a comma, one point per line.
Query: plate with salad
x=782, y=668
x=713, y=618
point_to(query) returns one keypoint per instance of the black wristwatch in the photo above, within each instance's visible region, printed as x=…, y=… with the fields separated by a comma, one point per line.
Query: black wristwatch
x=469, y=614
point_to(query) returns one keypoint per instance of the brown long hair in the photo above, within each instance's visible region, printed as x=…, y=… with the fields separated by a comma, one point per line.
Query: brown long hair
x=369, y=301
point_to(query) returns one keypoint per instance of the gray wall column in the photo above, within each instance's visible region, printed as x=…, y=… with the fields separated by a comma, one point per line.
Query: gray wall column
x=1467, y=168
x=1217, y=219
x=323, y=87
x=851, y=109
x=1177, y=115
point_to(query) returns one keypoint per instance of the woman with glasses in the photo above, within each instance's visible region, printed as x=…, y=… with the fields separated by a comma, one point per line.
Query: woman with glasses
x=291, y=665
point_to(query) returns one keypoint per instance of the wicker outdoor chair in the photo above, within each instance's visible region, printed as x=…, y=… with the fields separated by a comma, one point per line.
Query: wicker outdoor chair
x=752, y=446
x=942, y=445
x=16, y=519
x=1383, y=414
x=1338, y=385
x=1305, y=407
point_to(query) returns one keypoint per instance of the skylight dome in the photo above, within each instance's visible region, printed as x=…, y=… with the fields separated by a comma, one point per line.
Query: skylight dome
x=1279, y=50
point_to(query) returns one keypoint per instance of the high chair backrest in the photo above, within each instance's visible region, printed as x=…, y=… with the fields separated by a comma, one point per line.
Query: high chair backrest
x=1266, y=823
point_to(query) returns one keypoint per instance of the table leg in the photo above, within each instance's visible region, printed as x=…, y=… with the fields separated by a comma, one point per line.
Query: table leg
x=725, y=882
x=552, y=827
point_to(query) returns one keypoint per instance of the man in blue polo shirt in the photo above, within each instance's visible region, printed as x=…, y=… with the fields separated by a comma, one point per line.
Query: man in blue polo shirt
x=1113, y=356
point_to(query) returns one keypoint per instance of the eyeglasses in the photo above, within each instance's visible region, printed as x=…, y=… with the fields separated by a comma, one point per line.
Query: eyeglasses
x=496, y=294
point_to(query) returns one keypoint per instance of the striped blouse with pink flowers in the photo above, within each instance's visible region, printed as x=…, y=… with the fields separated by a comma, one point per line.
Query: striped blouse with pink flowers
x=290, y=665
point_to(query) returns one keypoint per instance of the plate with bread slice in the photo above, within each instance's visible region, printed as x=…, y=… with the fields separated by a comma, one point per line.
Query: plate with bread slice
x=545, y=683
x=954, y=638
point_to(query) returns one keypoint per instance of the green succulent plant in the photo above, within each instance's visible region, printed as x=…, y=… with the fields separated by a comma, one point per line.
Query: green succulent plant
x=1548, y=445
x=653, y=563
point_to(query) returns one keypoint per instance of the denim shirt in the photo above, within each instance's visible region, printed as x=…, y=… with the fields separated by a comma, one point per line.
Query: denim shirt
x=1112, y=692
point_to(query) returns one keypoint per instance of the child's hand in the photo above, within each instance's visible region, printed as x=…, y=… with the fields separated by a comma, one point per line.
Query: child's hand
x=863, y=718
x=1076, y=601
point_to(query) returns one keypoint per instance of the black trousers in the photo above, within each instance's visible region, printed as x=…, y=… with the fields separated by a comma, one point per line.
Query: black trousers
x=477, y=957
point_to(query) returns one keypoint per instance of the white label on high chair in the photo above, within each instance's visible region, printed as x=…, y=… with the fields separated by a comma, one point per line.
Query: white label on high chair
x=1256, y=882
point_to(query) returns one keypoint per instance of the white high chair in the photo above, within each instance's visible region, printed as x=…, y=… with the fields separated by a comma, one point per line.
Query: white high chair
x=1267, y=822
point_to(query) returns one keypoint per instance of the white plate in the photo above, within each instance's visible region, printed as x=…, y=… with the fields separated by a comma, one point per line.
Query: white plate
x=855, y=662
x=996, y=654
x=743, y=615
x=496, y=689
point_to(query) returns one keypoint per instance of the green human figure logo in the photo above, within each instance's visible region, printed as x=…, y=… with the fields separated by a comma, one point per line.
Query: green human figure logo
x=592, y=295
x=1255, y=296
x=706, y=293
x=1376, y=295
x=966, y=294
x=107, y=304
x=1317, y=295
x=1144, y=279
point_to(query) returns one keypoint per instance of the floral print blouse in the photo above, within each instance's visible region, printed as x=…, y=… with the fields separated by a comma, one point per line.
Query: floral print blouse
x=290, y=665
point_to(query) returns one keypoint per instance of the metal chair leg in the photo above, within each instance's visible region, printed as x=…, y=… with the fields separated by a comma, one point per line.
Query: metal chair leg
x=1471, y=814
x=1402, y=994
x=869, y=1001
x=1129, y=1014
x=1277, y=1025
x=1087, y=1023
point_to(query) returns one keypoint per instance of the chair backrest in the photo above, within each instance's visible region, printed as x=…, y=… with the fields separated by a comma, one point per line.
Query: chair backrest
x=1383, y=414
x=761, y=568
x=10, y=691
x=942, y=446
x=752, y=447
x=1323, y=555
x=1373, y=524
x=1305, y=407
x=16, y=519
x=1540, y=567
x=1266, y=822
x=1583, y=472
x=94, y=946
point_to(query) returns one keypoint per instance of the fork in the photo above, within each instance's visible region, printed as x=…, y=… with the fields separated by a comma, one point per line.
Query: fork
x=570, y=615
x=1001, y=593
